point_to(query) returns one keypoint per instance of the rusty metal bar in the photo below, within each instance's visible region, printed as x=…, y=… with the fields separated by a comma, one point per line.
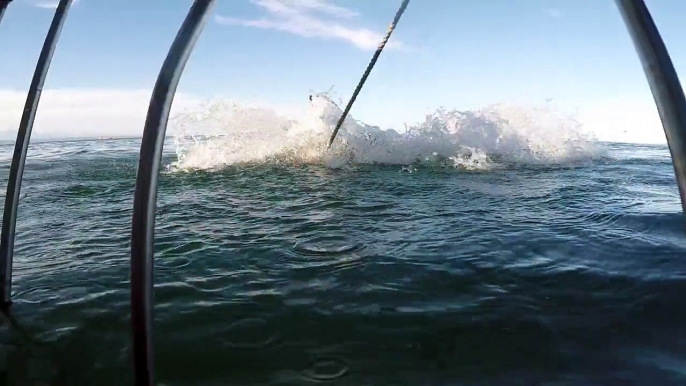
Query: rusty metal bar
x=145, y=195
x=664, y=83
x=9, y=219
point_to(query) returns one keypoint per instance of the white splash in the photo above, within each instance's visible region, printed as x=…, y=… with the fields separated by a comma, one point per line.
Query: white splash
x=223, y=133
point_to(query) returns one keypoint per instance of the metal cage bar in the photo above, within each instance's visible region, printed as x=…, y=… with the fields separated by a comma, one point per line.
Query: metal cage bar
x=145, y=195
x=664, y=83
x=3, y=7
x=9, y=219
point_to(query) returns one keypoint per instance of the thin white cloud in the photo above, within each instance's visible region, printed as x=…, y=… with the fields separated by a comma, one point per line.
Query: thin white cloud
x=555, y=13
x=624, y=119
x=311, y=19
x=46, y=4
x=68, y=113
x=291, y=6
x=49, y=4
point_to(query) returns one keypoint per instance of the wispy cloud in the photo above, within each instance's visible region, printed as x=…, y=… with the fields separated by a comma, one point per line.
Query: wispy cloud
x=624, y=119
x=555, y=12
x=48, y=4
x=67, y=113
x=312, y=19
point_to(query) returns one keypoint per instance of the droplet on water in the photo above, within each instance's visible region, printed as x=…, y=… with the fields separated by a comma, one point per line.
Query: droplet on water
x=326, y=369
x=249, y=333
x=327, y=245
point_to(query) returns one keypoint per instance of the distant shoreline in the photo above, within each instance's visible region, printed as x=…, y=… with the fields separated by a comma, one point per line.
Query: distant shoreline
x=75, y=139
x=116, y=138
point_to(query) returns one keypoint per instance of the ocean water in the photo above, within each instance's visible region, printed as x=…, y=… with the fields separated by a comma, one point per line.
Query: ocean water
x=502, y=246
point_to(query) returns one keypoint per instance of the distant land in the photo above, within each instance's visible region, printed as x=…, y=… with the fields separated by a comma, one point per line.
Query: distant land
x=47, y=138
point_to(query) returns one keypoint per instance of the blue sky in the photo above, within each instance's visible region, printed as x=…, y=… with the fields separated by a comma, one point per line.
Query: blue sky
x=453, y=53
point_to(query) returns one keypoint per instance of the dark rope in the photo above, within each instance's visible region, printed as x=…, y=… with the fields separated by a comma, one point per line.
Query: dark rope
x=369, y=69
x=664, y=83
x=145, y=195
x=21, y=146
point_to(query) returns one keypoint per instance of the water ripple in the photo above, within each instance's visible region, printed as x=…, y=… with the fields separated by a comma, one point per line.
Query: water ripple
x=296, y=274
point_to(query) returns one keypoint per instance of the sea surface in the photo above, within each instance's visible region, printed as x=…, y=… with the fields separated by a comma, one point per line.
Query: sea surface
x=293, y=271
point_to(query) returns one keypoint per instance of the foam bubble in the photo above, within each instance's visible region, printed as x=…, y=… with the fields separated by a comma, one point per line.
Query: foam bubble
x=224, y=132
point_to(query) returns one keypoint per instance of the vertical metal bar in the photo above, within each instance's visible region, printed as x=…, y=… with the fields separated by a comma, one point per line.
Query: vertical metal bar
x=3, y=7
x=145, y=195
x=9, y=219
x=664, y=83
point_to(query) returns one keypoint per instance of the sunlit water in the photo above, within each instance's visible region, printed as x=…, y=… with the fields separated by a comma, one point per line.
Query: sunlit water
x=533, y=256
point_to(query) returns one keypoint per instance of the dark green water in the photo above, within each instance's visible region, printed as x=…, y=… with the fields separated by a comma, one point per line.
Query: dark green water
x=297, y=275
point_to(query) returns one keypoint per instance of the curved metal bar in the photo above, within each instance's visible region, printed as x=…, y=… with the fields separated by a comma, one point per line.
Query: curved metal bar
x=3, y=7
x=664, y=83
x=145, y=196
x=9, y=219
